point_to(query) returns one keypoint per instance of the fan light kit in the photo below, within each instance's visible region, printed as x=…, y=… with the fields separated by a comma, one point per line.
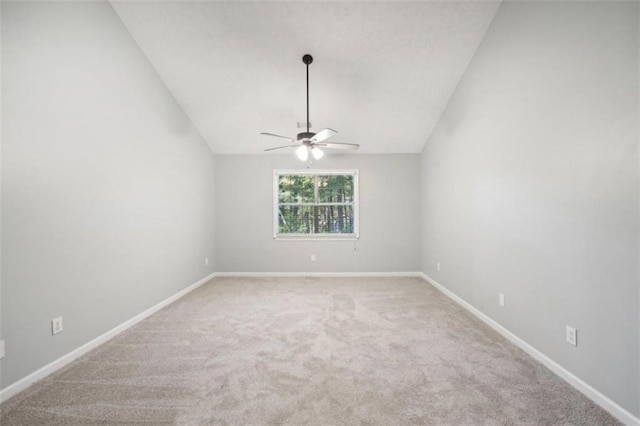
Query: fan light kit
x=308, y=144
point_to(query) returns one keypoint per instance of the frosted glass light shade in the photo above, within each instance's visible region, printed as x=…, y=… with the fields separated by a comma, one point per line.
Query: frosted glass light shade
x=317, y=153
x=302, y=153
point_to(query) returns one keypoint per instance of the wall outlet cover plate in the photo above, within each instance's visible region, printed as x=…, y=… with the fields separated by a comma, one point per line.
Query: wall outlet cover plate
x=56, y=325
x=572, y=335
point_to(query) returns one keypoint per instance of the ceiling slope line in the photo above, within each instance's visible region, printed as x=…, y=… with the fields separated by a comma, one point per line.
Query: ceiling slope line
x=462, y=75
x=229, y=65
x=162, y=80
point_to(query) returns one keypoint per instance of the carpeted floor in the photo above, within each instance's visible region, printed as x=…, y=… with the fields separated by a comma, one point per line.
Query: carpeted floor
x=389, y=351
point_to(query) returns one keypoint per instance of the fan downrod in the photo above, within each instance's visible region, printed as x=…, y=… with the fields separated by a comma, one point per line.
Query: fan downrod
x=311, y=140
x=307, y=59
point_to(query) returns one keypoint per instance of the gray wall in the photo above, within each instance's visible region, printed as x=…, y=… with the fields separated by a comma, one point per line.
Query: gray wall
x=107, y=189
x=530, y=186
x=1, y=97
x=389, y=217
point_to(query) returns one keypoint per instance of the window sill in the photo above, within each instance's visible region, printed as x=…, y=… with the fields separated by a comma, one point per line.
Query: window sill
x=293, y=237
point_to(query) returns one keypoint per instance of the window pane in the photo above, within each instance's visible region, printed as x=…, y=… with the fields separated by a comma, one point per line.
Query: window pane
x=335, y=189
x=295, y=219
x=333, y=220
x=295, y=189
x=315, y=219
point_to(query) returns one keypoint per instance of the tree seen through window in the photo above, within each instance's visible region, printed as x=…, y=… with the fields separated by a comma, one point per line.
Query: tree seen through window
x=316, y=204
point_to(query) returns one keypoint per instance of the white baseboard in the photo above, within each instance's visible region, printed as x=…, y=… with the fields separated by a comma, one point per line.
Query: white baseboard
x=616, y=410
x=613, y=408
x=318, y=274
x=43, y=372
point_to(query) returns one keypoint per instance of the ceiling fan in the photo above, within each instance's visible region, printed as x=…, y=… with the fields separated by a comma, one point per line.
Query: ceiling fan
x=308, y=142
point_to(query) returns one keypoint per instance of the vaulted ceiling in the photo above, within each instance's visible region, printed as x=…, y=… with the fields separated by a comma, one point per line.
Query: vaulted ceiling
x=382, y=73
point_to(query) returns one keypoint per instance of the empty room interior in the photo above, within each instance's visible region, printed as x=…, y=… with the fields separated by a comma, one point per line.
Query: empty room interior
x=310, y=212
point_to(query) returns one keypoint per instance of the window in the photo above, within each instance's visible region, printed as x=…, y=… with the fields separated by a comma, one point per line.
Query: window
x=315, y=204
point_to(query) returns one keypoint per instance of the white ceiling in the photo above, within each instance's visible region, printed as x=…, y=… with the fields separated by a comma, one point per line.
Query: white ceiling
x=382, y=72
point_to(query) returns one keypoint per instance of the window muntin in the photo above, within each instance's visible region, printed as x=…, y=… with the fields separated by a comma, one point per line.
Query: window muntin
x=315, y=204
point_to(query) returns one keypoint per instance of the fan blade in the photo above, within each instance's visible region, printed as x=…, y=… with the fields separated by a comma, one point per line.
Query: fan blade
x=323, y=135
x=280, y=147
x=336, y=145
x=277, y=136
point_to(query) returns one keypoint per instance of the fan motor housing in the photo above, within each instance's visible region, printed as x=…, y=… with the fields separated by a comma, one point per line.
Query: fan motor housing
x=305, y=135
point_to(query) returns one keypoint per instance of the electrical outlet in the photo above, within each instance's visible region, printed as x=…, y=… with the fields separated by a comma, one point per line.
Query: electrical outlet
x=501, y=299
x=572, y=335
x=438, y=265
x=206, y=260
x=56, y=325
x=1, y=349
x=313, y=257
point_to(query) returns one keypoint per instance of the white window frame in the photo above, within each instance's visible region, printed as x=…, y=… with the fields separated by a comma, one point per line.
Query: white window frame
x=325, y=172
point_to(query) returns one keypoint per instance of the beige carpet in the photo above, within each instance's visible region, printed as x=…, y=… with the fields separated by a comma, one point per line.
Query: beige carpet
x=386, y=351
